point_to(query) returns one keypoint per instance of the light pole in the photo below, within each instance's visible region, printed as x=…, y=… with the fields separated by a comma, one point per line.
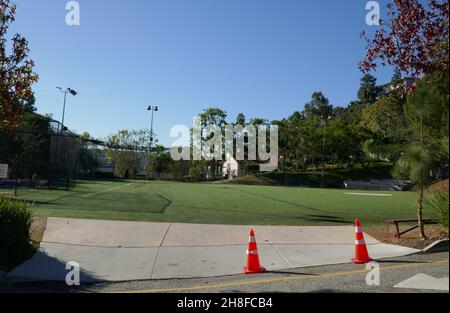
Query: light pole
x=152, y=109
x=65, y=92
x=73, y=93
x=325, y=119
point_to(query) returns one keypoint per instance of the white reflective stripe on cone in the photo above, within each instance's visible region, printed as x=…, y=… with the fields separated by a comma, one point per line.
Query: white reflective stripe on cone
x=360, y=242
x=252, y=239
x=252, y=252
x=358, y=229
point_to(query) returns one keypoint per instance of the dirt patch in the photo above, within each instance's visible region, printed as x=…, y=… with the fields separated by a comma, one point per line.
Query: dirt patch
x=411, y=239
x=37, y=229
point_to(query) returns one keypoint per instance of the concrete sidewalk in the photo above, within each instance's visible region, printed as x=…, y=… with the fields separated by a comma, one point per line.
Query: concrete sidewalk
x=100, y=233
x=122, y=251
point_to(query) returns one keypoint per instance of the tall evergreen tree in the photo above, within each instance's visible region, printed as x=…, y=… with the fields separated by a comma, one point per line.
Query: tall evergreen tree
x=368, y=92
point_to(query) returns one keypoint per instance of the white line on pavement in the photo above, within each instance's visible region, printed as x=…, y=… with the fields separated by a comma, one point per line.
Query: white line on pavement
x=278, y=251
x=422, y=281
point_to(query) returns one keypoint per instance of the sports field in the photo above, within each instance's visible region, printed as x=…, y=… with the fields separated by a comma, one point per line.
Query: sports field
x=219, y=203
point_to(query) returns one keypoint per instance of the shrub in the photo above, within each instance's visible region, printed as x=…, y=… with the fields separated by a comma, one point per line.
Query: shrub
x=438, y=201
x=15, y=223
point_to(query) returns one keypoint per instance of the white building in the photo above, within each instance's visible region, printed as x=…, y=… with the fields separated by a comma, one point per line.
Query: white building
x=230, y=168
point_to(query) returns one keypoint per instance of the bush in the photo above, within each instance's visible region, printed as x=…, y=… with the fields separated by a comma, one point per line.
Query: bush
x=439, y=202
x=254, y=180
x=15, y=223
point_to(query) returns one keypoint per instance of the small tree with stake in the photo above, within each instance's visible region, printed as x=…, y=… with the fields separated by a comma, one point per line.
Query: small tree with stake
x=416, y=165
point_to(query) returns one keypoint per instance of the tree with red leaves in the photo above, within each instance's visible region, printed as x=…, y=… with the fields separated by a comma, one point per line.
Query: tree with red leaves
x=16, y=71
x=415, y=39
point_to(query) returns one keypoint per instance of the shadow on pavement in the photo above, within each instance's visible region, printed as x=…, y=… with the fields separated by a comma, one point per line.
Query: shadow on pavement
x=42, y=272
x=291, y=273
x=399, y=261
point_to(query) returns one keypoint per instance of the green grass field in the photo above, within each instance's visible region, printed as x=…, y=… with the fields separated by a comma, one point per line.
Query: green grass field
x=219, y=203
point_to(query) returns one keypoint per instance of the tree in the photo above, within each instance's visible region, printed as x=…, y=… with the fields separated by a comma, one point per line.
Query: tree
x=213, y=116
x=368, y=91
x=429, y=105
x=316, y=113
x=86, y=155
x=296, y=141
x=319, y=106
x=341, y=143
x=126, y=149
x=85, y=136
x=217, y=117
x=16, y=71
x=160, y=160
x=88, y=161
x=27, y=148
x=385, y=117
x=427, y=113
x=285, y=142
x=240, y=119
x=416, y=165
x=30, y=104
x=258, y=121
x=387, y=128
x=414, y=39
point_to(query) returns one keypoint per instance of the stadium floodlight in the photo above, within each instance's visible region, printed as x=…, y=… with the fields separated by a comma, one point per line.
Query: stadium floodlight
x=152, y=109
x=65, y=92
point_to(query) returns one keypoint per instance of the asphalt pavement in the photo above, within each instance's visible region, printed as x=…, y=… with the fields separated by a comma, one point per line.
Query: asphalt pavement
x=423, y=273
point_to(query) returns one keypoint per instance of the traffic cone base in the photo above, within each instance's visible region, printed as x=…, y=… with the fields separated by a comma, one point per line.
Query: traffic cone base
x=361, y=261
x=247, y=271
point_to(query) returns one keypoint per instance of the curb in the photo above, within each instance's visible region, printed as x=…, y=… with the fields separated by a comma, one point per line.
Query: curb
x=437, y=246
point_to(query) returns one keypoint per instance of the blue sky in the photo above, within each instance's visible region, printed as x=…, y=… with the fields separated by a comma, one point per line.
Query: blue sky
x=263, y=58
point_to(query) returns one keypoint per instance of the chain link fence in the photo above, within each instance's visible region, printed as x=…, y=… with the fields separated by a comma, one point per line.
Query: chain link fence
x=40, y=153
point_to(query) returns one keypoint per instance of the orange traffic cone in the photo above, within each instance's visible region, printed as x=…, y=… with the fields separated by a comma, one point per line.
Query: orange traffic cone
x=253, y=265
x=361, y=253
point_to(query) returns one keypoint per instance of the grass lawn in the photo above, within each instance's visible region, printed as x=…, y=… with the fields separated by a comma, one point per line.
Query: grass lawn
x=219, y=203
